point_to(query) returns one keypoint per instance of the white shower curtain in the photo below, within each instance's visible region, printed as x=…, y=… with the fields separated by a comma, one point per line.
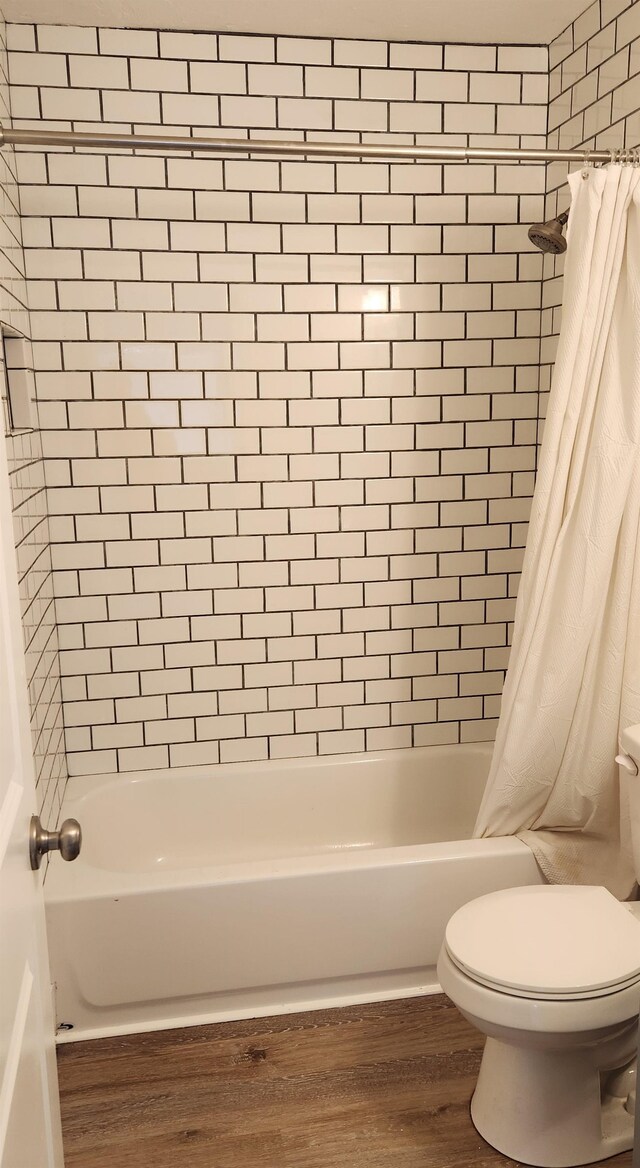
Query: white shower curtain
x=574, y=673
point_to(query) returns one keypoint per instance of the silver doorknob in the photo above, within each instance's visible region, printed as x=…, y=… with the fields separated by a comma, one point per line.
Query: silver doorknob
x=67, y=841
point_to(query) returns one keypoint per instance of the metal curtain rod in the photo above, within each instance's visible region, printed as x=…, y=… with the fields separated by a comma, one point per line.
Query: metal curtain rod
x=85, y=138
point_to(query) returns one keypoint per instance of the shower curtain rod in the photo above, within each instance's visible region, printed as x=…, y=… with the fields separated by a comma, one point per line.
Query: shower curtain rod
x=363, y=150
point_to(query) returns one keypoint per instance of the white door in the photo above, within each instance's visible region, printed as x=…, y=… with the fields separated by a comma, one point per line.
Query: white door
x=30, y=1135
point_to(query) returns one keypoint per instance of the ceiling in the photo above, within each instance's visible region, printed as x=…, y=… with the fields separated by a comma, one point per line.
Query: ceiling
x=469, y=21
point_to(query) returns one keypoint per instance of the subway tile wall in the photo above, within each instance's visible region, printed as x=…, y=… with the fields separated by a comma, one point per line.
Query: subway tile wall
x=289, y=408
x=594, y=102
x=26, y=471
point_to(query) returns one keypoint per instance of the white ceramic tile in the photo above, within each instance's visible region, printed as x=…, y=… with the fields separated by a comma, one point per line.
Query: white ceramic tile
x=193, y=109
x=360, y=115
x=304, y=113
x=38, y=68
x=310, y=51
x=463, y=118
x=415, y=56
x=365, y=53
x=416, y=117
x=126, y=42
x=97, y=72
x=159, y=75
x=391, y=84
x=247, y=111
x=21, y=37
x=54, y=38
x=439, y=86
x=279, y=80
x=190, y=46
x=521, y=58
x=246, y=48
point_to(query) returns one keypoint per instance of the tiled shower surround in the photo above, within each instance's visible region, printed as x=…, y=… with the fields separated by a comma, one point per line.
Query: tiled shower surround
x=288, y=408
x=28, y=497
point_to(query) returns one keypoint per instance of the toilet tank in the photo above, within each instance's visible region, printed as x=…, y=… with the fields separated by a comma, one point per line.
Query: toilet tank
x=629, y=764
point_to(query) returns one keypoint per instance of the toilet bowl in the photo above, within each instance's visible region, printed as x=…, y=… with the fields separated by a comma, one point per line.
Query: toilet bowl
x=551, y=976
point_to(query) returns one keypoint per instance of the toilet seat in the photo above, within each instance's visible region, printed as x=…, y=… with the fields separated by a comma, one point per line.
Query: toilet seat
x=547, y=943
x=540, y=995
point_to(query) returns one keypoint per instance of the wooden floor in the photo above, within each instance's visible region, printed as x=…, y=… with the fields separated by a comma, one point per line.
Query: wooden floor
x=378, y=1086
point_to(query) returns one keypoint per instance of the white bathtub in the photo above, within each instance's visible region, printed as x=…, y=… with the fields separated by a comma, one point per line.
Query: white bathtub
x=203, y=895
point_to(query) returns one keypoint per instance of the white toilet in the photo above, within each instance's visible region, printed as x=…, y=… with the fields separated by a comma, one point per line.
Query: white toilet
x=551, y=975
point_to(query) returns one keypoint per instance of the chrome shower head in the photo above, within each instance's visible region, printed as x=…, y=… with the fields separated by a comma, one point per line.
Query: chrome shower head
x=548, y=236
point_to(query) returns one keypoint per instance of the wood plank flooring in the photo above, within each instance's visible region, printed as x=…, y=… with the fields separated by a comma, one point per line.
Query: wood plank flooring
x=377, y=1086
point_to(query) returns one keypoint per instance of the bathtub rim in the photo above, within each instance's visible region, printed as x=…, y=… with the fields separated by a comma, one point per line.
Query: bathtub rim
x=106, y=883
x=91, y=782
x=63, y=879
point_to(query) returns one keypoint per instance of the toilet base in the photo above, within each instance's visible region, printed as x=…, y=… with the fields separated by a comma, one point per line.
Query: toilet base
x=551, y=1108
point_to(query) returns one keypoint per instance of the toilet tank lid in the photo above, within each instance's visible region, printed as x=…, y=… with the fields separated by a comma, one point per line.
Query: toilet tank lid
x=555, y=939
x=630, y=742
